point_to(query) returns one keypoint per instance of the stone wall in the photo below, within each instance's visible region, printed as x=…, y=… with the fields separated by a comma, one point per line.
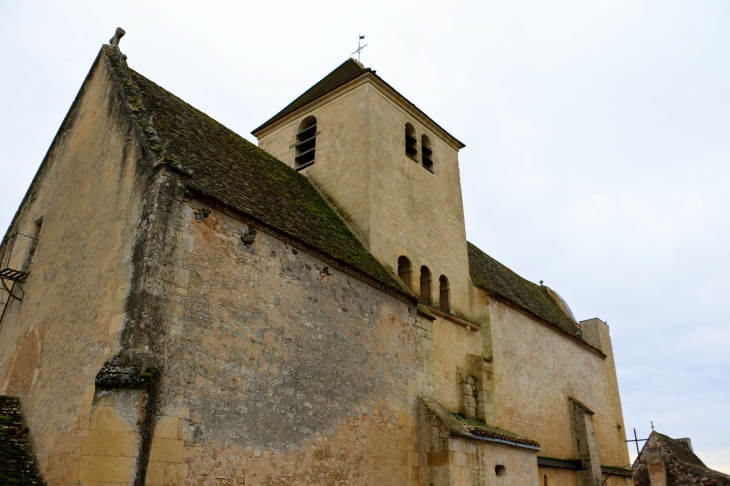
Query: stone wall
x=448, y=458
x=52, y=344
x=280, y=369
x=537, y=371
x=452, y=346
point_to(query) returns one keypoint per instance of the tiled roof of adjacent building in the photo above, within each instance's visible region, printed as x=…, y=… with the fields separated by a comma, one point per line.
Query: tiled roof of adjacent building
x=676, y=458
x=681, y=450
x=240, y=175
x=501, y=282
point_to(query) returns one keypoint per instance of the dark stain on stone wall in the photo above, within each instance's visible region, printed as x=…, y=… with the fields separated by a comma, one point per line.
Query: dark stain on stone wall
x=17, y=460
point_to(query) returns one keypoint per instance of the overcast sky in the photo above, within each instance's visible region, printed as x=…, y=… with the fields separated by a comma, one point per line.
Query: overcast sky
x=597, y=143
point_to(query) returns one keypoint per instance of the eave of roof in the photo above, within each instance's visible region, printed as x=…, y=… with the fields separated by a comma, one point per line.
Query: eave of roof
x=477, y=429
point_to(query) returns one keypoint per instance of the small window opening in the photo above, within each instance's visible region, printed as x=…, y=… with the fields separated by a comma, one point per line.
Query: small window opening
x=411, y=141
x=444, y=303
x=544, y=480
x=426, y=153
x=34, y=244
x=305, y=144
x=499, y=470
x=404, y=271
x=425, y=284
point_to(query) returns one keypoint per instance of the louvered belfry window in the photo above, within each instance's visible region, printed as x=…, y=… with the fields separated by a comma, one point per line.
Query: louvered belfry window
x=306, y=143
x=426, y=153
x=411, y=141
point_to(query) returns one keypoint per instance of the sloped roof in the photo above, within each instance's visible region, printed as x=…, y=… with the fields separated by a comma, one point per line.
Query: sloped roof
x=498, y=280
x=681, y=465
x=237, y=173
x=481, y=429
x=681, y=450
x=475, y=428
x=344, y=73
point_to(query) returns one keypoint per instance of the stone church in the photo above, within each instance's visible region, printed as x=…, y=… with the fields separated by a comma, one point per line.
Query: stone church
x=180, y=306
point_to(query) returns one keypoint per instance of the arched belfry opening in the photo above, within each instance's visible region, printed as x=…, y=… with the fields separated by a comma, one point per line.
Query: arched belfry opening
x=411, y=142
x=444, y=294
x=426, y=153
x=425, y=284
x=404, y=271
x=305, y=143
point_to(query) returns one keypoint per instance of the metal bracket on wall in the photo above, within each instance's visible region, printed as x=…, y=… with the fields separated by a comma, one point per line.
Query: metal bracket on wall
x=15, y=257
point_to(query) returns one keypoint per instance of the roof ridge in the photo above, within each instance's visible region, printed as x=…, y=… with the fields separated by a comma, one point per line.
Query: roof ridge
x=143, y=120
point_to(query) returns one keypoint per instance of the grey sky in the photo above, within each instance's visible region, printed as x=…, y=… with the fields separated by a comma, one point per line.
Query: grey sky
x=597, y=133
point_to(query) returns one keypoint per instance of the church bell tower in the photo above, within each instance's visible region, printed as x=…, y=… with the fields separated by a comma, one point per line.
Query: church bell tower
x=390, y=171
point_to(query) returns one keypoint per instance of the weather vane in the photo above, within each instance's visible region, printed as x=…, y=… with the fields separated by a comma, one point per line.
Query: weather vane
x=359, y=48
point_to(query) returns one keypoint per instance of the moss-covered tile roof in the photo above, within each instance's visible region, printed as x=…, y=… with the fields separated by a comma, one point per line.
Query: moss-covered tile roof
x=482, y=429
x=17, y=462
x=498, y=280
x=344, y=73
x=681, y=450
x=237, y=173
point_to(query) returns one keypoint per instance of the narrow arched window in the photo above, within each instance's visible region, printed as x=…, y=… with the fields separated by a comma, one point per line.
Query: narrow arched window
x=404, y=271
x=444, y=294
x=426, y=153
x=305, y=143
x=411, y=141
x=425, y=284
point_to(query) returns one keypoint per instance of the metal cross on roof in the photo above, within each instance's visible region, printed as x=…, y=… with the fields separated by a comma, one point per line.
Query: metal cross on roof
x=637, y=440
x=359, y=47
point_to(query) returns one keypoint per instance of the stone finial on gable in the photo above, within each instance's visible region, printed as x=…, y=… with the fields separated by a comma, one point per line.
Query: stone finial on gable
x=114, y=41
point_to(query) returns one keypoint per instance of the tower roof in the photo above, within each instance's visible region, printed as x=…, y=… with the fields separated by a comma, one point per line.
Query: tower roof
x=343, y=74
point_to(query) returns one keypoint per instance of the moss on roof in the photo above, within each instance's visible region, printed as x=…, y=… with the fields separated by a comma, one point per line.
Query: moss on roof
x=681, y=450
x=239, y=174
x=498, y=280
x=479, y=427
x=344, y=73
